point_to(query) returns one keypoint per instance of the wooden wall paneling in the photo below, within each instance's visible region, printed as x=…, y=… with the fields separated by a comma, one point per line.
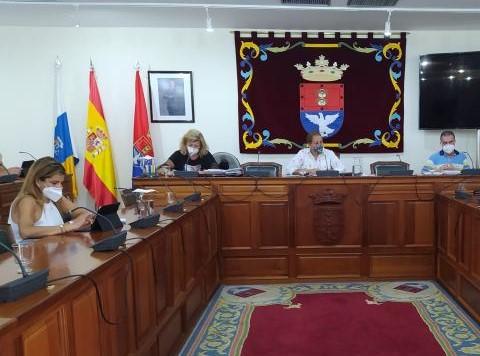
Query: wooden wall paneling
x=194, y=301
x=419, y=223
x=162, y=247
x=144, y=291
x=117, y=300
x=236, y=225
x=446, y=274
x=212, y=277
x=255, y=267
x=201, y=228
x=86, y=323
x=464, y=240
x=383, y=223
x=170, y=335
x=9, y=344
x=470, y=294
x=454, y=230
x=47, y=336
x=329, y=266
x=273, y=224
x=441, y=209
x=191, y=245
x=402, y=266
x=475, y=248
x=177, y=274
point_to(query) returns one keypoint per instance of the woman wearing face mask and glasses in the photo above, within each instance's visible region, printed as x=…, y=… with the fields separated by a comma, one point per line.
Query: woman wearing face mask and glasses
x=193, y=154
x=35, y=212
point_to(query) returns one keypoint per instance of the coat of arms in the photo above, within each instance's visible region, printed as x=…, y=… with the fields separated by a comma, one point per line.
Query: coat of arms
x=322, y=104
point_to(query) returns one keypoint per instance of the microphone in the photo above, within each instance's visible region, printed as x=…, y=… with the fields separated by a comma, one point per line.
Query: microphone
x=471, y=160
x=111, y=243
x=399, y=158
x=28, y=284
x=258, y=156
x=28, y=153
x=173, y=207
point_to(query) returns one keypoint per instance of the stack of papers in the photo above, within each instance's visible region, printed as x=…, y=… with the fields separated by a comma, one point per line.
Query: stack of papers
x=222, y=172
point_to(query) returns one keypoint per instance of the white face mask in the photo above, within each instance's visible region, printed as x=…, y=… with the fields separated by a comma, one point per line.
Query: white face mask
x=52, y=193
x=448, y=148
x=192, y=150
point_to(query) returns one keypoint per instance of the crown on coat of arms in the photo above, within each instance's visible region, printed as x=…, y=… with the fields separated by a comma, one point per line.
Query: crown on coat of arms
x=321, y=71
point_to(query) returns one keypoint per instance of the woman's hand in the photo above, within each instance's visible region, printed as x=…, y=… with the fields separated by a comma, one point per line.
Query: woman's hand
x=79, y=222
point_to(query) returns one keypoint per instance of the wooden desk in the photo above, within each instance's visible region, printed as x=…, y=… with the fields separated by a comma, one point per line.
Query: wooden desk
x=293, y=229
x=155, y=290
x=458, y=248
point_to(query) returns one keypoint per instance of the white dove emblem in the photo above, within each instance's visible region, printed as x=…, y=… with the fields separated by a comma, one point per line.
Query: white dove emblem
x=322, y=122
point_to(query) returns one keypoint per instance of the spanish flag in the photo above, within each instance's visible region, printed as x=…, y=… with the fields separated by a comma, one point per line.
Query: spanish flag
x=99, y=171
x=63, y=146
x=142, y=142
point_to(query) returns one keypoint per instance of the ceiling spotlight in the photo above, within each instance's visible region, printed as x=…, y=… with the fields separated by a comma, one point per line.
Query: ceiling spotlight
x=468, y=78
x=424, y=63
x=451, y=77
x=461, y=71
x=209, y=21
x=387, y=33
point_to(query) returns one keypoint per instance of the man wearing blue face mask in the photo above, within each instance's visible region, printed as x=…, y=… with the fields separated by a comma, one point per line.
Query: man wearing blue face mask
x=448, y=159
x=314, y=158
x=36, y=211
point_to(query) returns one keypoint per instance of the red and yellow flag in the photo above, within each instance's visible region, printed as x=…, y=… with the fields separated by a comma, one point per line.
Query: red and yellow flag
x=99, y=171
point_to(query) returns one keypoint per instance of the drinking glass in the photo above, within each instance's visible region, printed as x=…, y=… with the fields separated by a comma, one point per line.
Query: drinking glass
x=357, y=166
x=25, y=251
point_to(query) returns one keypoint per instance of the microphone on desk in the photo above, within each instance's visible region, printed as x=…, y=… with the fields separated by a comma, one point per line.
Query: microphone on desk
x=110, y=243
x=28, y=153
x=28, y=284
x=470, y=171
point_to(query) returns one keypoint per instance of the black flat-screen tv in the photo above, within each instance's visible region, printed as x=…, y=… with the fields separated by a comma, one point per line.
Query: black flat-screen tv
x=450, y=91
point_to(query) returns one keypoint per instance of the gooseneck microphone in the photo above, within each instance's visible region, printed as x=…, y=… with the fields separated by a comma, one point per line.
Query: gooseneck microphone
x=28, y=284
x=28, y=153
x=111, y=243
x=470, y=157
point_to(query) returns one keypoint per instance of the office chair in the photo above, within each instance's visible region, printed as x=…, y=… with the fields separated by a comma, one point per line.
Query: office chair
x=226, y=160
x=381, y=166
x=262, y=169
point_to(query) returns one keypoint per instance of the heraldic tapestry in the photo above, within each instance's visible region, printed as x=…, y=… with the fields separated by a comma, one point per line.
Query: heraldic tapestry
x=348, y=89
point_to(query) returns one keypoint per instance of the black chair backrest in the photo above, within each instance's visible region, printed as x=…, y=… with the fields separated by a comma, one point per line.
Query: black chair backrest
x=385, y=166
x=262, y=169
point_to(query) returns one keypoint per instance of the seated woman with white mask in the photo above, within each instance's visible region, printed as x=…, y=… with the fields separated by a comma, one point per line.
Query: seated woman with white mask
x=36, y=211
x=193, y=154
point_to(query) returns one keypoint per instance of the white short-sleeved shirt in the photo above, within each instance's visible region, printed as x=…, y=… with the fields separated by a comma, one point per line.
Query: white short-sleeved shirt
x=50, y=217
x=304, y=159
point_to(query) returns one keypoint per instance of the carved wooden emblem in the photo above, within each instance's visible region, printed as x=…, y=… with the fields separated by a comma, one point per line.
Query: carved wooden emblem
x=328, y=216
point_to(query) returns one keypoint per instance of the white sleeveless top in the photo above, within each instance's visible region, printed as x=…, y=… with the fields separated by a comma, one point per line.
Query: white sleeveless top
x=50, y=217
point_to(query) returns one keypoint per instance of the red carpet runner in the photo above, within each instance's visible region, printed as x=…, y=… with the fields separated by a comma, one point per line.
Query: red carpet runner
x=339, y=324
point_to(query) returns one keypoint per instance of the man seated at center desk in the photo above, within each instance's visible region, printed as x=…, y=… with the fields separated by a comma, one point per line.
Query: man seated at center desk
x=314, y=158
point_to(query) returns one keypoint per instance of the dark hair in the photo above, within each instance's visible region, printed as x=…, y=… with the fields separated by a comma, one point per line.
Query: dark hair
x=311, y=135
x=447, y=133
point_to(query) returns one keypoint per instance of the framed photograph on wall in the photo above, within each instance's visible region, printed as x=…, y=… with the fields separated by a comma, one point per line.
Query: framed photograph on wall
x=171, y=96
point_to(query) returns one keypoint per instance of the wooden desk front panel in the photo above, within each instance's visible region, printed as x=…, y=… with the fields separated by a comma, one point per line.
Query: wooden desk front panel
x=380, y=227
x=144, y=291
x=458, y=262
